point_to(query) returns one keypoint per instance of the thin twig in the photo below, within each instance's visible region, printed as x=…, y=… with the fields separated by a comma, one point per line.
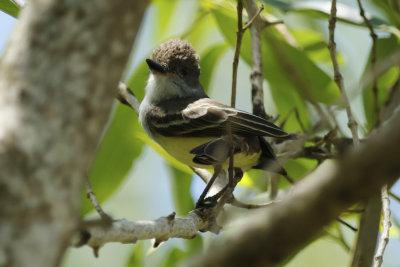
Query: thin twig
x=257, y=74
x=254, y=16
x=96, y=205
x=273, y=188
x=266, y=23
x=374, y=38
x=297, y=114
x=396, y=197
x=235, y=64
x=346, y=224
x=239, y=204
x=338, y=76
x=386, y=224
x=127, y=97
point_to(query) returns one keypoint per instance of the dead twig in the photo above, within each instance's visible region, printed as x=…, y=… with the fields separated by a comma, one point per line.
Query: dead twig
x=90, y=194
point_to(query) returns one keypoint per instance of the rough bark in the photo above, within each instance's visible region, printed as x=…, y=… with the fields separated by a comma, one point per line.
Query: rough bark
x=58, y=76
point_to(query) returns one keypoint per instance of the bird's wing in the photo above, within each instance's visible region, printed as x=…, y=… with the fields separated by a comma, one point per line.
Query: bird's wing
x=209, y=118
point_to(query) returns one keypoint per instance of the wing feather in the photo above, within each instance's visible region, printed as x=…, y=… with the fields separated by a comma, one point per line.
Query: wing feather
x=207, y=117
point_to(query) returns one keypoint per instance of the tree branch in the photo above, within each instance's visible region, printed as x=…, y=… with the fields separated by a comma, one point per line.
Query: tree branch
x=239, y=35
x=257, y=73
x=55, y=99
x=125, y=231
x=338, y=76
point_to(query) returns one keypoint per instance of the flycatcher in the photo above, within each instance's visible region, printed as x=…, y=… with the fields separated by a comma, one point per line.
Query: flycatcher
x=178, y=115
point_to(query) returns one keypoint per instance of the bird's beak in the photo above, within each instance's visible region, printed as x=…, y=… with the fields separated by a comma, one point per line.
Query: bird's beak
x=155, y=66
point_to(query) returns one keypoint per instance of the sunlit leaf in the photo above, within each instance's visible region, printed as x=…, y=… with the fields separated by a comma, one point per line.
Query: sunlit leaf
x=194, y=245
x=311, y=82
x=138, y=80
x=202, y=32
x=9, y=8
x=136, y=259
x=315, y=47
x=164, y=11
x=208, y=61
x=249, y=179
x=297, y=168
x=388, y=79
x=174, y=256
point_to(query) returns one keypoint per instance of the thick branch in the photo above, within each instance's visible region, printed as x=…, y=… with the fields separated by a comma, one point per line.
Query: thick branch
x=55, y=78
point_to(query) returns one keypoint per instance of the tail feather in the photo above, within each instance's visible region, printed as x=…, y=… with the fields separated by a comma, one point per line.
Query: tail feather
x=268, y=159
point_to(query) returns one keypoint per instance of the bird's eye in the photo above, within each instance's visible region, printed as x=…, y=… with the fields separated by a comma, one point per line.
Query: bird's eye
x=183, y=72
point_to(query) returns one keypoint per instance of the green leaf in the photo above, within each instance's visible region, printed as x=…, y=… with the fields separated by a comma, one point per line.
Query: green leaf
x=208, y=61
x=115, y=155
x=164, y=11
x=180, y=184
x=9, y=8
x=310, y=81
x=137, y=257
x=321, y=10
x=297, y=168
x=194, y=245
x=174, y=256
x=120, y=146
x=315, y=46
x=388, y=79
x=137, y=82
x=389, y=8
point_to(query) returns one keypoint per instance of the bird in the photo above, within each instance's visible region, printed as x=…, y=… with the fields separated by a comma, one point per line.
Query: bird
x=195, y=129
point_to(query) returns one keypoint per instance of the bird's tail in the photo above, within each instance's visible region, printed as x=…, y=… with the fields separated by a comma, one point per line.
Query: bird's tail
x=268, y=159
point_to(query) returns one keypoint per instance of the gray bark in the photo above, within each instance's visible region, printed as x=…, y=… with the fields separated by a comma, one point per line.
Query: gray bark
x=58, y=77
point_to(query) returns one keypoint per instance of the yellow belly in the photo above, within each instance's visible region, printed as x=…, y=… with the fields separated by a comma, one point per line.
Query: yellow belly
x=180, y=147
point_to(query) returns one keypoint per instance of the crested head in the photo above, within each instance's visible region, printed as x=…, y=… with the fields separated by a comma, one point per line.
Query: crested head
x=177, y=56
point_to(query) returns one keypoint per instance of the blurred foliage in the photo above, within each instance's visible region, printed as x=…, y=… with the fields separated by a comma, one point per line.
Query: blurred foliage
x=298, y=74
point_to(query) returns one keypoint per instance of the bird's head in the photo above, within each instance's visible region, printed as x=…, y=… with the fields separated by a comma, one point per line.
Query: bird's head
x=177, y=59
